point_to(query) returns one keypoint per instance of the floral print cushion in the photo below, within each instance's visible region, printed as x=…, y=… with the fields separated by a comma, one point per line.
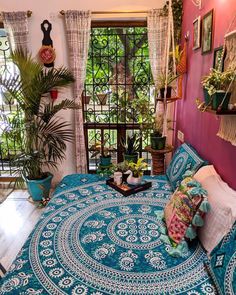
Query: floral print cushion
x=185, y=210
x=185, y=158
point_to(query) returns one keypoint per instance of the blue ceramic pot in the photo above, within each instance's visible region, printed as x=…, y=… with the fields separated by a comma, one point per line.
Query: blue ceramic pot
x=39, y=188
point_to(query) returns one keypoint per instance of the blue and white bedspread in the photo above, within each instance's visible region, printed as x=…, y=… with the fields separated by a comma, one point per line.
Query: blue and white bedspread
x=92, y=240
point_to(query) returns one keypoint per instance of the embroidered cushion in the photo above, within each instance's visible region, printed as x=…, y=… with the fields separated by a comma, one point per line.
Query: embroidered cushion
x=219, y=221
x=185, y=158
x=185, y=210
x=222, y=265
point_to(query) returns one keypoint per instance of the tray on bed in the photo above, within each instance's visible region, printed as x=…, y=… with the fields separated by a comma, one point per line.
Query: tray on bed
x=128, y=189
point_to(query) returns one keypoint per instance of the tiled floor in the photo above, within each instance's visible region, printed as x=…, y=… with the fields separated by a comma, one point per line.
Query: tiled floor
x=18, y=217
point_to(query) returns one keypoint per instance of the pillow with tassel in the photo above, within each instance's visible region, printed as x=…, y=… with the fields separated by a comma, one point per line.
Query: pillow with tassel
x=184, y=213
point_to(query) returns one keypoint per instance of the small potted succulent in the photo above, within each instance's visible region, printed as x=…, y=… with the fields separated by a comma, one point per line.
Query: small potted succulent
x=163, y=81
x=131, y=147
x=122, y=167
x=216, y=88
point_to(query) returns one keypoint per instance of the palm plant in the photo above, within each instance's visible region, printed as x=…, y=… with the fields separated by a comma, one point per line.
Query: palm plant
x=44, y=134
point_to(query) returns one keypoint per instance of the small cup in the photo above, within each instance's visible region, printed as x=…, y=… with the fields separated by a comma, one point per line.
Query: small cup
x=230, y=106
x=118, y=178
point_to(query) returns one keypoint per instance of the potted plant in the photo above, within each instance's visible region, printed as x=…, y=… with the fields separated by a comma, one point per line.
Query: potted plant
x=105, y=152
x=102, y=97
x=43, y=134
x=122, y=167
x=158, y=141
x=136, y=171
x=131, y=147
x=163, y=81
x=86, y=97
x=216, y=85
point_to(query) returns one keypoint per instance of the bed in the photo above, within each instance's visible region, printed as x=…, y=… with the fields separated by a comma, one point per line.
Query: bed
x=93, y=240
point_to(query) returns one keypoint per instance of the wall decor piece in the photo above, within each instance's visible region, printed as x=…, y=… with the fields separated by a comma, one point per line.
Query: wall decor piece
x=207, y=32
x=46, y=53
x=197, y=33
x=218, y=61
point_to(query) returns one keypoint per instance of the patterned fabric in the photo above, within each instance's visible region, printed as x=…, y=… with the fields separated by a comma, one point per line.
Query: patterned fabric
x=16, y=25
x=94, y=241
x=222, y=265
x=78, y=27
x=185, y=158
x=183, y=208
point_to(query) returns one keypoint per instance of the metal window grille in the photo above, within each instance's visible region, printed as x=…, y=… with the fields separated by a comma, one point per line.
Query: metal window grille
x=119, y=93
x=9, y=111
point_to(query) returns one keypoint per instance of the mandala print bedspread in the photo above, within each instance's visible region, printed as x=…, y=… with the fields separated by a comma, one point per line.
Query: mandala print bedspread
x=92, y=240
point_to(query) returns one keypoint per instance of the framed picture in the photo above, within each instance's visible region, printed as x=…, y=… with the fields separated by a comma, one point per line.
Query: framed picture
x=197, y=33
x=218, y=61
x=207, y=32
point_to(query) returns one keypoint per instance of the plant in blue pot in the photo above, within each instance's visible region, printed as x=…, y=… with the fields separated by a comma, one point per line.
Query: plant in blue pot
x=42, y=133
x=104, y=150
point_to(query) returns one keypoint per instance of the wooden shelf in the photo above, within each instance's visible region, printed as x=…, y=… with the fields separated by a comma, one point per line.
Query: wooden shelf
x=222, y=112
x=169, y=100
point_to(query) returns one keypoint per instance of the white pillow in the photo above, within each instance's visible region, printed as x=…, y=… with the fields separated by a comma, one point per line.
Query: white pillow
x=219, y=220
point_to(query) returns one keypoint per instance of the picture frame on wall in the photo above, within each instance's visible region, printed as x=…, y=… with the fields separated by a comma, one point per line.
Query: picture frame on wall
x=218, y=61
x=197, y=33
x=207, y=32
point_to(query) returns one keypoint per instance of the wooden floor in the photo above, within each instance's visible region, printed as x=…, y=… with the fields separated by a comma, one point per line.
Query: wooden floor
x=18, y=217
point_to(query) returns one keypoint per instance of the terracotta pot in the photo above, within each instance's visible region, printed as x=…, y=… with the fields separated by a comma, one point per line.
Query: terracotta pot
x=102, y=98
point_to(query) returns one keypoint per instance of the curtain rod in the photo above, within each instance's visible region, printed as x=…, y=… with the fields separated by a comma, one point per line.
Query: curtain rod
x=62, y=12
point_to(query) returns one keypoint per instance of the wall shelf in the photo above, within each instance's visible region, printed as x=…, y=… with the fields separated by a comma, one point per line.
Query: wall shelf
x=222, y=112
x=169, y=100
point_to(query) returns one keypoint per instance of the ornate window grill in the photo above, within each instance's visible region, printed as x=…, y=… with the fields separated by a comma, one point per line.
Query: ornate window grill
x=119, y=94
x=9, y=111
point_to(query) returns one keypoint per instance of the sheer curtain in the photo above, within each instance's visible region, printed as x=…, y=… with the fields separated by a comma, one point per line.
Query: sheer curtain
x=16, y=25
x=157, y=25
x=78, y=28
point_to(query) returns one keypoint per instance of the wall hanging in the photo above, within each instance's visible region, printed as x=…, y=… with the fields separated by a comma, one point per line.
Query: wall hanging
x=47, y=53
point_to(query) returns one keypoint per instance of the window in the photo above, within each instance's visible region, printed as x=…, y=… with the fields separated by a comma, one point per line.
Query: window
x=119, y=94
x=9, y=111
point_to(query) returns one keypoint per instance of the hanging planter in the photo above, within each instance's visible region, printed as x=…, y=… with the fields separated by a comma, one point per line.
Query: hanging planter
x=85, y=98
x=102, y=97
x=168, y=92
x=207, y=97
x=218, y=97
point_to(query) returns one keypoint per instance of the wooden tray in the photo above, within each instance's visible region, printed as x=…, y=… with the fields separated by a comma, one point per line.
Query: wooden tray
x=128, y=189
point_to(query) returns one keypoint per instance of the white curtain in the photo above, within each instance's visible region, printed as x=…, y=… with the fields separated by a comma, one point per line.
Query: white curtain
x=157, y=25
x=16, y=25
x=78, y=28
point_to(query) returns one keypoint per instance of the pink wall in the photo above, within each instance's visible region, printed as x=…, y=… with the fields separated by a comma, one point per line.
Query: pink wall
x=200, y=128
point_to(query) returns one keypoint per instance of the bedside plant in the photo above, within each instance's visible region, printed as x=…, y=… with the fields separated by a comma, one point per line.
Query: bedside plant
x=43, y=134
x=136, y=171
